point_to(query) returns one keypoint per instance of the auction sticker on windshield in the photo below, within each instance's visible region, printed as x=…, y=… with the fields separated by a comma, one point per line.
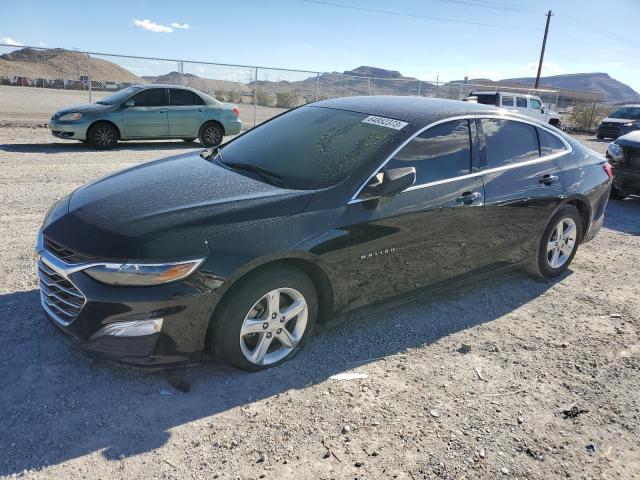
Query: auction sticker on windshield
x=384, y=122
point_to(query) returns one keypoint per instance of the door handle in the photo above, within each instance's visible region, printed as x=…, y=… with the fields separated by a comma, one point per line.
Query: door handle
x=468, y=198
x=548, y=179
x=162, y=111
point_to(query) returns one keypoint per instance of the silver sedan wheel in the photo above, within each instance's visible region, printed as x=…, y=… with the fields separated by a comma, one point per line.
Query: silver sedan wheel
x=561, y=243
x=212, y=136
x=274, y=326
x=104, y=136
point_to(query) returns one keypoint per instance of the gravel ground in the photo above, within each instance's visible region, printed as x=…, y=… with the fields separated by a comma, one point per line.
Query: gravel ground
x=470, y=383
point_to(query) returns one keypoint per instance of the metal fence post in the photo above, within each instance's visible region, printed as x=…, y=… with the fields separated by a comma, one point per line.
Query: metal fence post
x=255, y=96
x=89, y=74
x=181, y=65
x=593, y=108
x=419, y=87
x=317, y=85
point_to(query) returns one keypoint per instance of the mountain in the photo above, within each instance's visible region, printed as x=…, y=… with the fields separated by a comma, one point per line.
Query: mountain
x=611, y=89
x=61, y=64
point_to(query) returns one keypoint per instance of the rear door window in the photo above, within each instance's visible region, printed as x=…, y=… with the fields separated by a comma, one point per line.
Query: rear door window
x=153, y=97
x=521, y=102
x=536, y=104
x=180, y=97
x=439, y=153
x=507, y=101
x=509, y=142
x=549, y=143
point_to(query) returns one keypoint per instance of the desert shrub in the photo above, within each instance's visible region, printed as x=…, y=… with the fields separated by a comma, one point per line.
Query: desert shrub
x=262, y=97
x=286, y=99
x=234, y=96
x=586, y=117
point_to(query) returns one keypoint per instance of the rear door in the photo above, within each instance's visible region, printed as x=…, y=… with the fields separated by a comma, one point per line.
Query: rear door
x=522, y=188
x=147, y=118
x=186, y=112
x=425, y=234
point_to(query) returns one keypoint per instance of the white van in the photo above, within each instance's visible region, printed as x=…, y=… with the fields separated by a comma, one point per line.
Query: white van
x=529, y=105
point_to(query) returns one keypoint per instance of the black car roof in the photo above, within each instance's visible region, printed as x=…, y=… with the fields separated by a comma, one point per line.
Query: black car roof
x=406, y=109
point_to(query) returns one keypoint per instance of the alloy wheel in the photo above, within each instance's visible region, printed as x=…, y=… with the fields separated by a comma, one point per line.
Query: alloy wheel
x=104, y=136
x=561, y=243
x=274, y=326
x=212, y=136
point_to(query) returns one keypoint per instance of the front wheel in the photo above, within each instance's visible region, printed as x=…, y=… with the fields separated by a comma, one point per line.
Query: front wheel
x=211, y=134
x=102, y=136
x=559, y=243
x=264, y=320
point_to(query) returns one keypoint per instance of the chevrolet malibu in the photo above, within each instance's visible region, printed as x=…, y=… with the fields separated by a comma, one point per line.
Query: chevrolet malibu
x=148, y=112
x=241, y=250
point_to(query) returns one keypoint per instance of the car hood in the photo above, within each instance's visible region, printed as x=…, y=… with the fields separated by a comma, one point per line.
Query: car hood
x=629, y=140
x=83, y=108
x=618, y=120
x=167, y=209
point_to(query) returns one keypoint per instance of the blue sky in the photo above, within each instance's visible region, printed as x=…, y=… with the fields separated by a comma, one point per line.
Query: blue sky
x=584, y=37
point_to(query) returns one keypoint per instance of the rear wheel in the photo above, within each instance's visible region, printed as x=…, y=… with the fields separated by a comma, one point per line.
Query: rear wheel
x=559, y=243
x=102, y=136
x=265, y=319
x=211, y=134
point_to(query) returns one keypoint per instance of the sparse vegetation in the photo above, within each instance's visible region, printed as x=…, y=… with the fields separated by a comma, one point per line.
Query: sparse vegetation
x=287, y=99
x=585, y=117
x=262, y=97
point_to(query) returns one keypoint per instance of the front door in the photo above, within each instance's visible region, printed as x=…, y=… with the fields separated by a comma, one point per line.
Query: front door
x=522, y=185
x=426, y=234
x=147, y=117
x=186, y=112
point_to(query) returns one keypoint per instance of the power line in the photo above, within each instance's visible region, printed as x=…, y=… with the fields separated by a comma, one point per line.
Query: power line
x=491, y=5
x=412, y=15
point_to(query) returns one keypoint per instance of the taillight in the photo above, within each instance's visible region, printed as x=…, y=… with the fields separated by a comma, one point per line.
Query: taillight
x=606, y=166
x=236, y=111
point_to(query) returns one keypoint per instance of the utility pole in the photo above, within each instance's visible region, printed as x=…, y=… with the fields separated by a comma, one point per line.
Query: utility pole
x=544, y=45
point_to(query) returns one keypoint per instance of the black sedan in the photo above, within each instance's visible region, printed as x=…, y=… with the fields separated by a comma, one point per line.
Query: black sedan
x=240, y=251
x=624, y=155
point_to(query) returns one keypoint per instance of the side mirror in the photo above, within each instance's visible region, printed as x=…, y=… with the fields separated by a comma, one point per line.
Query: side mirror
x=541, y=109
x=393, y=182
x=130, y=103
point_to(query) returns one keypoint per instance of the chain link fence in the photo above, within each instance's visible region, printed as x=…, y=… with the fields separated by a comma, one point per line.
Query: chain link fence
x=59, y=77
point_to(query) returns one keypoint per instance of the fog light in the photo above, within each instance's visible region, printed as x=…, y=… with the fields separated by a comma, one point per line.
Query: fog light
x=135, y=328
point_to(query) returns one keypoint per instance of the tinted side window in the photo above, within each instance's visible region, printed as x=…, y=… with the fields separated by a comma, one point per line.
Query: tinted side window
x=154, y=97
x=535, y=104
x=521, y=102
x=549, y=143
x=183, y=97
x=507, y=101
x=509, y=142
x=438, y=153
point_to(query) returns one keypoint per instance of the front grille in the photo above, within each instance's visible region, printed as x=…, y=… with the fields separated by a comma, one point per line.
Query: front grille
x=66, y=254
x=60, y=298
x=609, y=129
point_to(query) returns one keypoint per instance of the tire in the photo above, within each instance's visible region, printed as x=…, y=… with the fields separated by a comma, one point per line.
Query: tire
x=555, y=123
x=211, y=134
x=102, y=136
x=600, y=137
x=246, y=307
x=546, y=264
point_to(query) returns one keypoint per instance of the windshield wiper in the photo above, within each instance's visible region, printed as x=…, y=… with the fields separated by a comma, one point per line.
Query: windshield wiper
x=266, y=174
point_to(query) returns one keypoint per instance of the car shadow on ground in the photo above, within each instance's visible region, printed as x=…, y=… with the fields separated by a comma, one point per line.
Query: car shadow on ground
x=56, y=404
x=76, y=147
x=622, y=215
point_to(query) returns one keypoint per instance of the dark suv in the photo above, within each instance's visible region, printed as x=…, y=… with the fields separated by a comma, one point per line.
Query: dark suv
x=624, y=120
x=624, y=155
x=329, y=207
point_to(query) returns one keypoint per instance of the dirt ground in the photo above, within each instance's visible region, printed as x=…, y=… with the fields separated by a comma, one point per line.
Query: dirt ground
x=506, y=378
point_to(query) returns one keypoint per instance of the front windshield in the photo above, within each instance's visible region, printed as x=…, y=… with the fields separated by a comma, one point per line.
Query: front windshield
x=309, y=147
x=118, y=97
x=632, y=113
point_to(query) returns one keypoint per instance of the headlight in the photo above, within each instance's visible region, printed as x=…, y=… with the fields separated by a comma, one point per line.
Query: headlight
x=141, y=273
x=71, y=116
x=614, y=150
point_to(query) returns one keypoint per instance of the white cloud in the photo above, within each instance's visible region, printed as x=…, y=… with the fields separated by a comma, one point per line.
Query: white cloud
x=613, y=64
x=147, y=24
x=548, y=68
x=181, y=26
x=42, y=44
x=10, y=41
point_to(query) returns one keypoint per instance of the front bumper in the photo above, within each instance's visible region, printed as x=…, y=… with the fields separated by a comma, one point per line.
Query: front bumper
x=182, y=308
x=613, y=131
x=68, y=130
x=233, y=127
